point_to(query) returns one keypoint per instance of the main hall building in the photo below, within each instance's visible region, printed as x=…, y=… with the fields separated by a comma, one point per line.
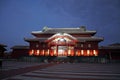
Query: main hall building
x=64, y=42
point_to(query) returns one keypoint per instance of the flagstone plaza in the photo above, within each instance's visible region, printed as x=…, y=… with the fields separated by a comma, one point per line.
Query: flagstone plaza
x=14, y=70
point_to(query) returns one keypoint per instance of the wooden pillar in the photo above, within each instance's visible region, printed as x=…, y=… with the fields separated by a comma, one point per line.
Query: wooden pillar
x=56, y=50
x=110, y=57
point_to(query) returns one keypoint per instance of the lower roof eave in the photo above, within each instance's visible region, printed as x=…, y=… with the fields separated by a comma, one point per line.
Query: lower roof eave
x=99, y=40
x=29, y=40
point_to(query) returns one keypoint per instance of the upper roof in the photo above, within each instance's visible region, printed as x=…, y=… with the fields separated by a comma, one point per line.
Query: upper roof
x=81, y=30
x=67, y=32
x=80, y=39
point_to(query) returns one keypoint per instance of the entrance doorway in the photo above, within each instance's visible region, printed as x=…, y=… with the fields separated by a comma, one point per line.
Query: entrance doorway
x=62, y=51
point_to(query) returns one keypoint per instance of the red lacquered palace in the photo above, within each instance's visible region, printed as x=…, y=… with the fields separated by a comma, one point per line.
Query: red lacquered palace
x=63, y=42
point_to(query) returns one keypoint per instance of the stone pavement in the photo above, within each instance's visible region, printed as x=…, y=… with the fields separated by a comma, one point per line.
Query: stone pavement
x=70, y=71
x=8, y=65
x=12, y=68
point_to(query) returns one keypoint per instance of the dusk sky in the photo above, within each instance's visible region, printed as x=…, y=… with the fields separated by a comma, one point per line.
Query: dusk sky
x=18, y=18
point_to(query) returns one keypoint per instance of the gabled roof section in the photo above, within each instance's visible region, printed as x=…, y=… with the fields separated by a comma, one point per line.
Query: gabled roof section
x=61, y=36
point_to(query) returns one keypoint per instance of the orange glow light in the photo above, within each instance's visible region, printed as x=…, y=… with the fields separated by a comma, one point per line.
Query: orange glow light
x=78, y=53
x=95, y=53
x=51, y=52
x=55, y=52
x=38, y=52
x=82, y=52
x=69, y=52
x=48, y=52
x=43, y=52
x=72, y=52
x=31, y=52
x=88, y=52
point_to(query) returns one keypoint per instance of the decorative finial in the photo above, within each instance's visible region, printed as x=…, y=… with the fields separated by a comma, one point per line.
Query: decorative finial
x=45, y=28
x=83, y=28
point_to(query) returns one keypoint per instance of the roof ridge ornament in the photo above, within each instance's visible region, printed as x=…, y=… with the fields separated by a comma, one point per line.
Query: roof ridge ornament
x=45, y=28
x=83, y=28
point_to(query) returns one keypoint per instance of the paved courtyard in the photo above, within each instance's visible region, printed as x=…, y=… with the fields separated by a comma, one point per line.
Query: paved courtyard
x=63, y=71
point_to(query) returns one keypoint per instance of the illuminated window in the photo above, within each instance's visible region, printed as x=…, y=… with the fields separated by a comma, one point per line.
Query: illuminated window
x=38, y=51
x=76, y=53
x=51, y=52
x=59, y=52
x=48, y=51
x=88, y=52
x=69, y=52
x=43, y=52
x=55, y=52
x=70, y=47
x=95, y=52
x=31, y=52
x=82, y=52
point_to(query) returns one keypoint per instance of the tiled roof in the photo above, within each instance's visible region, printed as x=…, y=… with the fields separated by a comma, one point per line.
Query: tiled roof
x=115, y=44
x=3, y=45
x=64, y=30
x=20, y=47
x=81, y=39
x=35, y=39
x=111, y=46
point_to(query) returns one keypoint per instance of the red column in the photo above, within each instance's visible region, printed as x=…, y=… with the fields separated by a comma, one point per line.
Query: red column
x=57, y=50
